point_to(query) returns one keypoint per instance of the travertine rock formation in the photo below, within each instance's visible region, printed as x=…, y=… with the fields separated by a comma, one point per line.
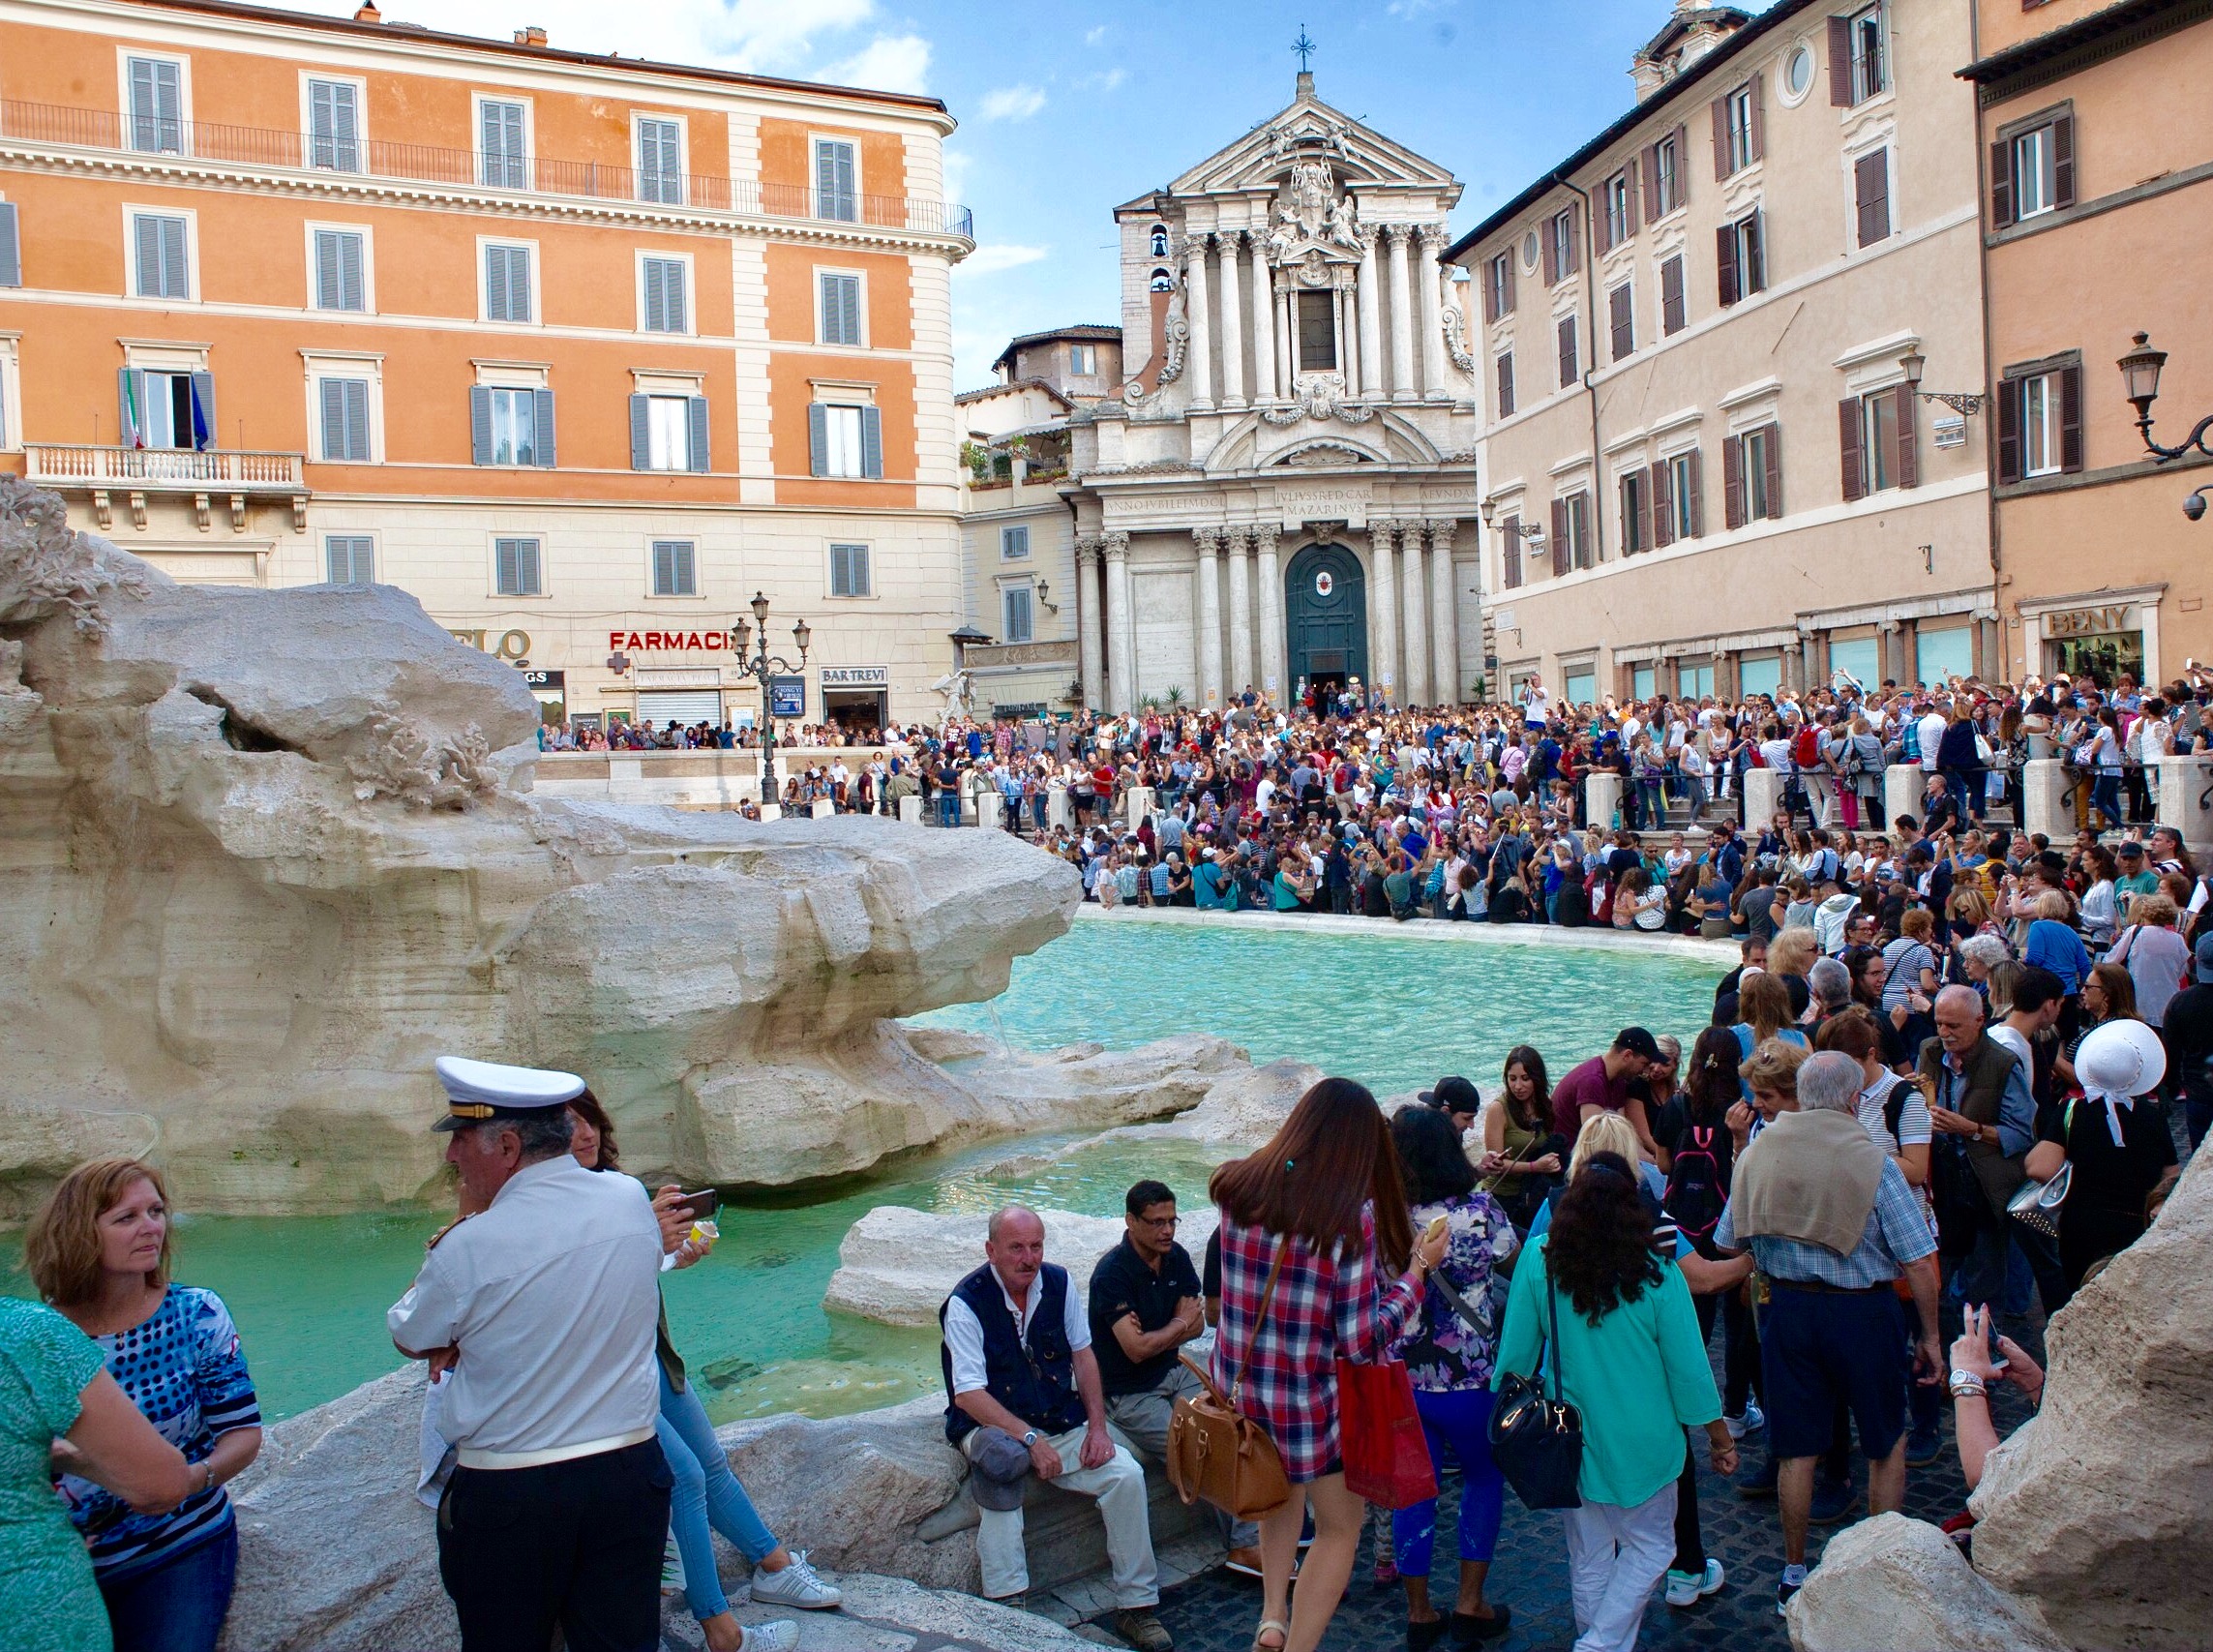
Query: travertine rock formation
x=1898, y=1582
x=264, y=853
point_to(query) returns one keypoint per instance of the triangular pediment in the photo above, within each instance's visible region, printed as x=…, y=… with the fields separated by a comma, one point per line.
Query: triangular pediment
x=1310, y=130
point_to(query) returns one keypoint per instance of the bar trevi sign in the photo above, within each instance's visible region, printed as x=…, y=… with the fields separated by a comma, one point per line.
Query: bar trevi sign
x=2100, y=621
x=856, y=676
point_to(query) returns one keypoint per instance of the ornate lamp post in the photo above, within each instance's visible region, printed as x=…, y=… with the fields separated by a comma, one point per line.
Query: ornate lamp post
x=762, y=666
x=2139, y=373
x=1965, y=403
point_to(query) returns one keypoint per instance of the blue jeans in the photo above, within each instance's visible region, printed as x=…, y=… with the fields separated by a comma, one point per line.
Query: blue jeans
x=1458, y=1419
x=2105, y=798
x=705, y=1493
x=178, y=1606
x=948, y=808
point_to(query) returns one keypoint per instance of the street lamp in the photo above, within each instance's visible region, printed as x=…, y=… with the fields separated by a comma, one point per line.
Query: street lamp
x=1965, y=403
x=762, y=666
x=2139, y=371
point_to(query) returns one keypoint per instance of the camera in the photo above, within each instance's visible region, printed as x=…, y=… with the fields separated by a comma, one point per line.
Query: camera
x=2194, y=507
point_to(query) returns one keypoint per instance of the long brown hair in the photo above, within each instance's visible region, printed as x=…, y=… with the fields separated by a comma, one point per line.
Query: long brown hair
x=61, y=1248
x=1332, y=1155
x=586, y=1107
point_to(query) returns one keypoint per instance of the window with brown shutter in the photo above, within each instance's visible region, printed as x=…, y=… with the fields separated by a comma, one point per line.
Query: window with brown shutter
x=2001, y=182
x=1550, y=259
x=1663, y=506
x=1732, y=482
x=1582, y=554
x=1559, y=537
x=2008, y=422
x=1872, y=178
x=1629, y=194
x=1671, y=295
x=1675, y=182
x=1490, y=293
x=1767, y=471
x=2071, y=418
x=1570, y=243
x=1841, y=63
x=1851, y=441
x=1635, y=514
x=1510, y=553
x=1908, y=470
x=1720, y=138
x=1570, y=366
x=1506, y=385
x=1622, y=313
x=1652, y=208
x=1751, y=253
x=1756, y=93
x=1725, y=257
x=1687, y=481
x=2063, y=161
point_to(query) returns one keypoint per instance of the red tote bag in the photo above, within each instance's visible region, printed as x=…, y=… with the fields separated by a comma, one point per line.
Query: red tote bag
x=1387, y=1458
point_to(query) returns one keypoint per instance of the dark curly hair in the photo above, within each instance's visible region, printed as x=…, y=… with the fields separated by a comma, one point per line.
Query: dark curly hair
x=1599, y=1248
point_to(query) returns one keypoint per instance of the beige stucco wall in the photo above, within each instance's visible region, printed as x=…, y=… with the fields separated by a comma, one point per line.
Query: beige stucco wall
x=1836, y=321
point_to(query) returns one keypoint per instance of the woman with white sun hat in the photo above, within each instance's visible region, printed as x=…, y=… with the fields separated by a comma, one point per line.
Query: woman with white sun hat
x=2115, y=1142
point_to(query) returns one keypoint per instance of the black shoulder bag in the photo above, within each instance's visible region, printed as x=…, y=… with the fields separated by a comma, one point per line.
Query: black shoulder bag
x=1537, y=1443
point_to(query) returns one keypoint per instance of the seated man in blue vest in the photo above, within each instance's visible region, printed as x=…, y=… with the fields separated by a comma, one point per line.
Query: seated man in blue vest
x=1018, y=1364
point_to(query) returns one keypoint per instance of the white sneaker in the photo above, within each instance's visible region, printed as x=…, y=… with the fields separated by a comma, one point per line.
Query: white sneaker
x=799, y=1584
x=782, y=1636
x=1689, y=1588
x=1751, y=1422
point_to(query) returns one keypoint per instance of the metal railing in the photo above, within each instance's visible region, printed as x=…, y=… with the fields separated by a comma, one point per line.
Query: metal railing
x=182, y=469
x=63, y=126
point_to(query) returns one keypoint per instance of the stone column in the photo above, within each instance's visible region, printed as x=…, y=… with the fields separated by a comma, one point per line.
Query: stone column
x=1371, y=320
x=1233, y=325
x=1208, y=540
x=1087, y=620
x=1286, y=369
x=1270, y=615
x=1234, y=544
x=1383, y=612
x=1763, y=796
x=1901, y=793
x=1199, y=369
x=1263, y=326
x=1348, y=329
x=1121, y=650
x=1427, y=276
x=2179, y=786
x=1413, y=593
x=2045, y=806
x=1444, y=615
x=1602, y=799
x=1401, y=317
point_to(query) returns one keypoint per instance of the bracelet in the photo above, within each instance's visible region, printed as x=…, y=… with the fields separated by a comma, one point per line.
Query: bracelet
x=1975, y=1388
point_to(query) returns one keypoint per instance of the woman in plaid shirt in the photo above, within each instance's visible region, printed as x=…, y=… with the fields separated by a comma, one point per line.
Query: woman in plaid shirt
x=1325, y=1193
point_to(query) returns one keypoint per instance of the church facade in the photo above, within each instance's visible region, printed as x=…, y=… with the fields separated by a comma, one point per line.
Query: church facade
x=1282, y=493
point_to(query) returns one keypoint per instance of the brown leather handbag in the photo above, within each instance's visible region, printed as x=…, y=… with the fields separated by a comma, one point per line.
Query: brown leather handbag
x=1217, y=1452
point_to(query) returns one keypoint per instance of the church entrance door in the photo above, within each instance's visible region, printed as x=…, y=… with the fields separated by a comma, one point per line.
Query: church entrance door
x=1324, y=608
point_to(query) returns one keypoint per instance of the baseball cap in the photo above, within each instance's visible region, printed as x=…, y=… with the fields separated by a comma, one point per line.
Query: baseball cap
x=1455, y=1095
x=1637, y=1041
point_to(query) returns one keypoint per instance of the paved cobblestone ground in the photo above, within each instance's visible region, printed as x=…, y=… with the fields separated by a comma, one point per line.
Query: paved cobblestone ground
x=1218, y=1611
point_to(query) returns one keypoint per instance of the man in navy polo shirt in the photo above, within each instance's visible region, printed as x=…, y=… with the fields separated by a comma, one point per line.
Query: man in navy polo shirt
x=1144, y=1305
x=1017, y=1359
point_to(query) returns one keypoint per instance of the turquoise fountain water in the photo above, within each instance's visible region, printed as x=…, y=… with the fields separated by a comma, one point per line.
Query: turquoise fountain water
x=1392, y=1010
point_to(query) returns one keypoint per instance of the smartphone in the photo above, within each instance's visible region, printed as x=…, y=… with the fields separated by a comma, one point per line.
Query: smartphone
x=703, y=1204
x=1436, y=1230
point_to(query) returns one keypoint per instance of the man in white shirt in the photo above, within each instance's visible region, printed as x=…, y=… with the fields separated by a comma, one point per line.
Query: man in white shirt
x=1930, y=734
x=1019, y=1368
x=544, y=1306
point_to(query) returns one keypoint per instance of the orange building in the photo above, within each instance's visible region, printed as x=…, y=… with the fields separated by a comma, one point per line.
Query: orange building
x=581, y=350
x=2097, y=127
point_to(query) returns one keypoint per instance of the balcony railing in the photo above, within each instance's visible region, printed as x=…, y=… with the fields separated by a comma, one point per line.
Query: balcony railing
x=166, y=470
x=62, y=127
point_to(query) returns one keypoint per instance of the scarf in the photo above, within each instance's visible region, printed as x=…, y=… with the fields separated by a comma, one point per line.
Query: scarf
x=1808, y=1176
x=2114, y=1101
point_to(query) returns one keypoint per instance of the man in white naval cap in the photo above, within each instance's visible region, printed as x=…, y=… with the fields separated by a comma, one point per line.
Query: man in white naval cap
x=559, y=1507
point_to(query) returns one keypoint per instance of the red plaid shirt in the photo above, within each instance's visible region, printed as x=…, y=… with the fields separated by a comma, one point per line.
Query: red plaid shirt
x=1326, y=1309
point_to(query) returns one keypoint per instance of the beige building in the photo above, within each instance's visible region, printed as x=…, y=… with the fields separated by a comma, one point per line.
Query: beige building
x=582, y=350
x=1270, y=498
x=1706, y=466
x=2098, y=128
x=1018, y=539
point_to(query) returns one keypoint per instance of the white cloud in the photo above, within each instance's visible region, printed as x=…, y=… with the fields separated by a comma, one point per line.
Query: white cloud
x=1010, y=103
x=1105, y=83
x=1093, y=37
x=1000, y=255
x=889, y=63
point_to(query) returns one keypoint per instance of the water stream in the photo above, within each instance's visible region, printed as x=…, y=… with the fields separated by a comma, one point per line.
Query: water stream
x=309, y=1293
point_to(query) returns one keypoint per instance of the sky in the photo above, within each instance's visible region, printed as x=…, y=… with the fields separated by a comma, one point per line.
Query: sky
x=1066, y=110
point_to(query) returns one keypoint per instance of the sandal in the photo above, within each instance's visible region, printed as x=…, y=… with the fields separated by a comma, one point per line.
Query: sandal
x=1259, y=1644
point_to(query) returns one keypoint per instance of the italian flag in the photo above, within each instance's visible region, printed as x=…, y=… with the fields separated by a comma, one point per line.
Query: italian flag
x=133, y=414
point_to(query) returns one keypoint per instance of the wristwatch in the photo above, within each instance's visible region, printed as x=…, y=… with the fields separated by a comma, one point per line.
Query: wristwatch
x=1967, y=1382
x=1029, y=1439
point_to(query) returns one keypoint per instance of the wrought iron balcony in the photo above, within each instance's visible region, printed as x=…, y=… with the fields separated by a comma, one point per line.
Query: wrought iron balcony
x=479, y=172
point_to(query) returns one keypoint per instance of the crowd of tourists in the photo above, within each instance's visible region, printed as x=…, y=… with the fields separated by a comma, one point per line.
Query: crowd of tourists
x=1913, y=1125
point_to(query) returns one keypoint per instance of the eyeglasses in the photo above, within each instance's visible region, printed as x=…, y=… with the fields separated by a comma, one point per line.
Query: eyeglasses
x=1158, y=1222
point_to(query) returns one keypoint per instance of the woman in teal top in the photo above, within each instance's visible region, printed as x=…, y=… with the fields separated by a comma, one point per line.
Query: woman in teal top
x=59, y=1407
x=1631, y=1360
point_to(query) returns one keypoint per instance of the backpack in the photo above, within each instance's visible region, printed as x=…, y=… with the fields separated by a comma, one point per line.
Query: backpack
x=1893, y=1108
x=1694, y=1193
x=1805, y=749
